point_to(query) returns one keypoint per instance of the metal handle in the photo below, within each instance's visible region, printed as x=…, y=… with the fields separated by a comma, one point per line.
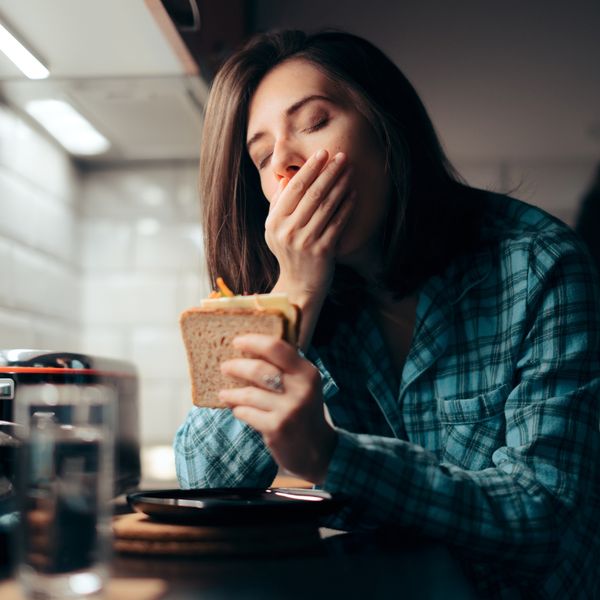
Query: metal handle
x=7, y=389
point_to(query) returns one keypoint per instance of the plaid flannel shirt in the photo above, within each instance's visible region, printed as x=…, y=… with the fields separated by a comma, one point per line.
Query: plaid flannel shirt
x=489, y=438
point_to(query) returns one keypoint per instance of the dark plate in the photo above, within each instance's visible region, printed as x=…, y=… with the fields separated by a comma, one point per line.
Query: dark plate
x=234, y=506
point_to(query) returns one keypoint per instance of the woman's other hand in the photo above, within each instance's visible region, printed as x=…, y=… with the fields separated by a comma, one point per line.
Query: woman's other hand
x=283, y=401
x=306, y=219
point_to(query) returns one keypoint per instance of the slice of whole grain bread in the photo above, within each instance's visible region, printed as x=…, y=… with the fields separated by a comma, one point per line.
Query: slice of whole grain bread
x=208, y=335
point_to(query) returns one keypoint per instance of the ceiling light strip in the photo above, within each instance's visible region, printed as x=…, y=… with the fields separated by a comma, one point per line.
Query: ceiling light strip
x=69, y=127
x=23, y=59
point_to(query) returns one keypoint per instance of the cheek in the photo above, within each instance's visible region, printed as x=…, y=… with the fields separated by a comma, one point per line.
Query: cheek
x=268, y=189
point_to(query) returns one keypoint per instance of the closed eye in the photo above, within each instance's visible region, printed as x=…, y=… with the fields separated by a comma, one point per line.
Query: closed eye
x=262, y=163
x=318, y=125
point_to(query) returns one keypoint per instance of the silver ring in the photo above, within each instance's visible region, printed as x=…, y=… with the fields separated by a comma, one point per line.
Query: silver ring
x=273, y=382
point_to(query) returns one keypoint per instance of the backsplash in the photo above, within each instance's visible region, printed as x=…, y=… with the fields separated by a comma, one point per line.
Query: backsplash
x=39, y=294
x=141, y=249
x=102, y=262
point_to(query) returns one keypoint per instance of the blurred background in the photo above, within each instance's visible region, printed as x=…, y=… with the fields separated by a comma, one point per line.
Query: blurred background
x=100, y=241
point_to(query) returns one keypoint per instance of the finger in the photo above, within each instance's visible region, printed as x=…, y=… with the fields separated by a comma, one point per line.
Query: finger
x=324, y=212
x=280, y=187
x=334, y=229
x=273, y=350
x=256, y=372
x=335, y=218
x=257, y=419
x=275, y=199
x=330, y=186
x=248, y=396
x=300, y=182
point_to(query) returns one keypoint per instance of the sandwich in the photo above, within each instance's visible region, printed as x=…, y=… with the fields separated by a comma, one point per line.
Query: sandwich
x=209, y=329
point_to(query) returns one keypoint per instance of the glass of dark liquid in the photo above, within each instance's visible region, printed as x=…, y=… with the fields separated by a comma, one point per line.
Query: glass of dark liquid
x=65, y=484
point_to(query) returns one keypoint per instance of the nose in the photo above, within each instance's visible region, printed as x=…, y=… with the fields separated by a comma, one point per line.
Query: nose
x=287, y=159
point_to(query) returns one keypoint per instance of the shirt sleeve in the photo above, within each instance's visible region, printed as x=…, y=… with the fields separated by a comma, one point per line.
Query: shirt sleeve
x=214, y=449
x=544, y=477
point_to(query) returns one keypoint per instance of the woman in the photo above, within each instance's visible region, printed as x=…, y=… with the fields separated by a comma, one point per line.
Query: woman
x=452, y=333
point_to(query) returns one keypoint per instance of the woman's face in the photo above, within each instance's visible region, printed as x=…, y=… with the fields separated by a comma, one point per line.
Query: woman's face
x=296, y=111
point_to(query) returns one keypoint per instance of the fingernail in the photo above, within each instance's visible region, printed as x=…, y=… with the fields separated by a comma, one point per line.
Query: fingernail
x=340, y=157
x=321, y=154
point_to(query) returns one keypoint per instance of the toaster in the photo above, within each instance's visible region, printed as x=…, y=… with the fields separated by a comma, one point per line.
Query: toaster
x=20, y=367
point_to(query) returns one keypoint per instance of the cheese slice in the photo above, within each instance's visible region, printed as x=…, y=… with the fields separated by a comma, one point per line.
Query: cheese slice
x=257, y=302
x=275, y=301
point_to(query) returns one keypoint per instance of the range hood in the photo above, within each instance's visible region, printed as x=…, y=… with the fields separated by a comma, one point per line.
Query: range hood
x=128, y=67
x=144, y=118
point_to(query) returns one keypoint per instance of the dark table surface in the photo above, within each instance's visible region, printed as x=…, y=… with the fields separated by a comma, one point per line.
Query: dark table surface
x=341, y=565
x=345, y=565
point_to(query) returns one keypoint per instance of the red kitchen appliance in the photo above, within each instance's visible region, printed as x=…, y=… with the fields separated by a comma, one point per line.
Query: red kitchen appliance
x=28, y=367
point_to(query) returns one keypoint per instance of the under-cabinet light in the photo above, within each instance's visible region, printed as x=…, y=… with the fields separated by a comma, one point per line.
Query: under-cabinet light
x=65, y=124
x=23, y=59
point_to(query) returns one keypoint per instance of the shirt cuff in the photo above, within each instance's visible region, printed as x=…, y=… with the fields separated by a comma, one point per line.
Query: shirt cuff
x=346, y=451
x=329, y=386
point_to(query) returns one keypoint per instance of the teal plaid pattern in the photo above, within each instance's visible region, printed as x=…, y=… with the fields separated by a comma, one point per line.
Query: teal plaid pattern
x=488, y=440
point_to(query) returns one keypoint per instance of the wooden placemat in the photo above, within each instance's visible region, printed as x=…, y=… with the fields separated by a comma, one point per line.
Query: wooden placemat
x=139, y=534
x=118, y=588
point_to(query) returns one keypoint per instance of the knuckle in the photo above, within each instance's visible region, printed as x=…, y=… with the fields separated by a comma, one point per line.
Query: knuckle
x=296, y=185
x=320, y=250
x=313, y=196
x=304, y=244
x=276, y=345
x=256, y=372
x=285, y=236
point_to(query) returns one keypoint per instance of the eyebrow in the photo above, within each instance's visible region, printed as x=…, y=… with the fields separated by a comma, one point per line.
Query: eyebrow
x=288, y=113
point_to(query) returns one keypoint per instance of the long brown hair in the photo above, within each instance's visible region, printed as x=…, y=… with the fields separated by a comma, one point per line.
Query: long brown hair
x=417, y=239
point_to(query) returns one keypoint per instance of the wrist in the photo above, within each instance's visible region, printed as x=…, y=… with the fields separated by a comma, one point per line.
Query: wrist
x=309, y=303
x=325, y=455
x=302, y=297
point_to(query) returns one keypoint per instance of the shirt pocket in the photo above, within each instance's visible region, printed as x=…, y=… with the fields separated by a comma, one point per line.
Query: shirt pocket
x=473, y=428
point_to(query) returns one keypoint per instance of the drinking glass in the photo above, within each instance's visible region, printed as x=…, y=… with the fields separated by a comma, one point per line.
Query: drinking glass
x=65, y=483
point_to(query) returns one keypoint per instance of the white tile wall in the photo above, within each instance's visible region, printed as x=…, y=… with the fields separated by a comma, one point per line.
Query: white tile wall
x=159, y=350
x=16, y=329
x=104, y=244
x=172, y=247
x=44, y=286
x=141, y=249
x=6, y=273
x=39, y=293
x=192, y=287
x=33, y=156
x=161, y=411
x=53, y=334
x=35, y=218
x=130, y=193
x=128, y=298
x=113, y=342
